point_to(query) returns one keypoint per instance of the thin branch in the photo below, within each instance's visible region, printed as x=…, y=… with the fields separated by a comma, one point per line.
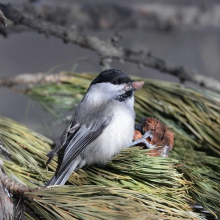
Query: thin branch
x=109, y=49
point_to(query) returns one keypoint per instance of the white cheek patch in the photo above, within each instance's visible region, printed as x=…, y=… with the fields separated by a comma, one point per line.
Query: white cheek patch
x=107, y=90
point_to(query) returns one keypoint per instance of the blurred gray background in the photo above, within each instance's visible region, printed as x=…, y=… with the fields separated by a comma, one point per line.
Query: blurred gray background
x=194, y=45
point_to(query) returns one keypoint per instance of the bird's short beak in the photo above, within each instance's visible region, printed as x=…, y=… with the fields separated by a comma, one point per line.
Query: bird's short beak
x=134, y=86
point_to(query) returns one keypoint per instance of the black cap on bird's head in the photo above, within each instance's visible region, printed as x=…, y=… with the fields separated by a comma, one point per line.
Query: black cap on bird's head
x=112, y=76
x=117, y=77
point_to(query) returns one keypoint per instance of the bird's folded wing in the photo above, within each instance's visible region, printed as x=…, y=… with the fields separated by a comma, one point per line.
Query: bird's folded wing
x=82, y=138
x=70, y=129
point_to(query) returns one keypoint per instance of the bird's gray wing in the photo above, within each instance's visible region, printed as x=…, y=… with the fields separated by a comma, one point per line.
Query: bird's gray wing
x=70, y=129
x=81, y=138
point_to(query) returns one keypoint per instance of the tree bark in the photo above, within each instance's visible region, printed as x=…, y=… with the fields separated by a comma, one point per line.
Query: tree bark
x=6, y=204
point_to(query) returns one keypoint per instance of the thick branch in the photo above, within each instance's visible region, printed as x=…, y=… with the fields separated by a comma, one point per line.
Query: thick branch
x=6, y=205
x=10, y=208
x=109, y=48
x=146, y=16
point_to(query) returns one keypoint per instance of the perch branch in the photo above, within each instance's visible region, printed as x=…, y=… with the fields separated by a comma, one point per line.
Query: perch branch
x=109, y=49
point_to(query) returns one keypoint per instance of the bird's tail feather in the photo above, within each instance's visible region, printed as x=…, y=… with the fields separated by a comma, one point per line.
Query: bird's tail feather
x=61, y=178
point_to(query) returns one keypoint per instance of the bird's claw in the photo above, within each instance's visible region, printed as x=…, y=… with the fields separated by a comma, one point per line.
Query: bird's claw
x=147, y=134
x=143, y=140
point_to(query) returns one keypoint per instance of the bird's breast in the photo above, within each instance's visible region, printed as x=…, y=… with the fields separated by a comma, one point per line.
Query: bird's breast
x=117, y=136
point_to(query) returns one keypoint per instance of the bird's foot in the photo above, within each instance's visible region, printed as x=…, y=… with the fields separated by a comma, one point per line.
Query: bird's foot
x=143, y=140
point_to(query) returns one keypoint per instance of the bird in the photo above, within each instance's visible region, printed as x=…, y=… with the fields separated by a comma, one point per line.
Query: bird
x=101, y=126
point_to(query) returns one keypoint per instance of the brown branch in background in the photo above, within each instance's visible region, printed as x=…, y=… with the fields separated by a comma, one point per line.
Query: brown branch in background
x=109, y=49
x=163, y=16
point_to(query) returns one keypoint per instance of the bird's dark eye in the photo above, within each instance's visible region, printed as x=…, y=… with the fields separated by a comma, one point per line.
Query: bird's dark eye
x=114, y=81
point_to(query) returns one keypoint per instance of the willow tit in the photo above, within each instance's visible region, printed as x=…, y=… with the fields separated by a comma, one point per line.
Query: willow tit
x=102, y=124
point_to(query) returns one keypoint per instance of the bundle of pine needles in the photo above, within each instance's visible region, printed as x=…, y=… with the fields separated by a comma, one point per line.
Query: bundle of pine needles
x=132, y=185
x=152, y=186
x=192, y=114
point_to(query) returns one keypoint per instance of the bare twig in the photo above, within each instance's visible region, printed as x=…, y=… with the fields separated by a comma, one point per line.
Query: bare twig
x=109, y=49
